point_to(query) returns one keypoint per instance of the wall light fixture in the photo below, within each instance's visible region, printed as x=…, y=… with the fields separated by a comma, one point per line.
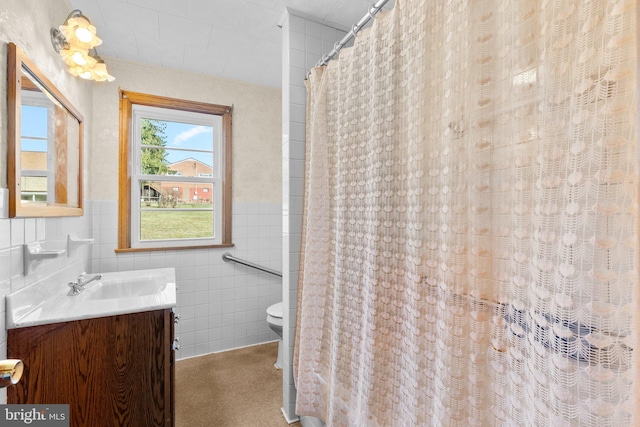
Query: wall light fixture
x=76, y=42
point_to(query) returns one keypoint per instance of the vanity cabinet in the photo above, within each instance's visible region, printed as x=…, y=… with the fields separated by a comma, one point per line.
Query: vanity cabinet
x=116, y=370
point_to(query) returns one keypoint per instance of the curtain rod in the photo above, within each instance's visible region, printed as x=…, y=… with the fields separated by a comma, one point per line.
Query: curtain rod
x=354, y=30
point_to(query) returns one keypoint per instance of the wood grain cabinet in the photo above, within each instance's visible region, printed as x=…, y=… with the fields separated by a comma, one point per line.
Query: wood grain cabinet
x=112, y=371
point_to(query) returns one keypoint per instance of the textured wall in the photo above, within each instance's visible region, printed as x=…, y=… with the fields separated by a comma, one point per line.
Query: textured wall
x=222, y=306
x=27, y=24
x=257, y=174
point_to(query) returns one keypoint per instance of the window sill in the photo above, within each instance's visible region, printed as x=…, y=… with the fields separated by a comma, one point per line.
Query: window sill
x=171, y=248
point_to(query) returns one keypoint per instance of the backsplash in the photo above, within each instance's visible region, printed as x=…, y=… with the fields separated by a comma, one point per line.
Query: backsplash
x=221, y=305
x=52, y=234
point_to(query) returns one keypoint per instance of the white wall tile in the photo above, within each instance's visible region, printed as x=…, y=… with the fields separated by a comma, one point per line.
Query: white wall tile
x=5, y=266
x=297, y=58
x=298, y=96
x=214, y=301
x=331, y=34
x=125, y=262
x=313, y=29
x=297, y=24
x=5, y=233
x=30, y=230
x=41, y=229
x=109, y=235
x=240, y=208
x=109, y=209
x=5, y=288
x=314, y=45
x=297, y=43
x=157, y=260
x=298, y=113
x=141, y=261
x=253, y=208
x=108, y=265
x=16, y=264
x=17, y=231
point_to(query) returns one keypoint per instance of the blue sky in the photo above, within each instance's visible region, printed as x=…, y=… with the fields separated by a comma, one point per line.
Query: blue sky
x=36, y=119
x=186, y=135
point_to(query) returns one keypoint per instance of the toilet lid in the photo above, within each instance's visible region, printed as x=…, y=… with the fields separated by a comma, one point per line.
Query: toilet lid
x=275, y=310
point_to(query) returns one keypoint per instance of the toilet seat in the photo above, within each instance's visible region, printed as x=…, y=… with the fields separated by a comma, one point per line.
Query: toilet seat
x=275, y=310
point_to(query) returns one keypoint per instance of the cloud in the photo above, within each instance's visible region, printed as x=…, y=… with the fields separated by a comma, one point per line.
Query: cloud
x=190, y=133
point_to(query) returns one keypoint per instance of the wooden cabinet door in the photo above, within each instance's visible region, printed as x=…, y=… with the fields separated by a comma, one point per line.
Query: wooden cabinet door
x=112, y=371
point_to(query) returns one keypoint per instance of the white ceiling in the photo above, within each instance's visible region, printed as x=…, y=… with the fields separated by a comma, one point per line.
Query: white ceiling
x=236, y=39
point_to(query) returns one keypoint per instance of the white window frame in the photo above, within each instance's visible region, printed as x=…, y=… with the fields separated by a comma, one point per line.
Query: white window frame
x=140, y=112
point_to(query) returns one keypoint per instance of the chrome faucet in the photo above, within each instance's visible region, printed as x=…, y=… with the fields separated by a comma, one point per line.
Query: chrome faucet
x=78, y=285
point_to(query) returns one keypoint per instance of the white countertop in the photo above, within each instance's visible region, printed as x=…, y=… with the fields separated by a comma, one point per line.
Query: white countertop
x=46, y=301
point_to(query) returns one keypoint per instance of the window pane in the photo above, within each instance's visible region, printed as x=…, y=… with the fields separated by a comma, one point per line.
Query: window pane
x=33, y=160
x=175, y=210
x=36, y=145
x=185, y=163
x=34, y=121
x=178, y=195
x=33, y=188
x=175, y=224
x=173, y=148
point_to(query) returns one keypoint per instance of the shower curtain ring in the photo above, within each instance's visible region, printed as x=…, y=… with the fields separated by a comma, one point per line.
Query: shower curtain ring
x=372, y=12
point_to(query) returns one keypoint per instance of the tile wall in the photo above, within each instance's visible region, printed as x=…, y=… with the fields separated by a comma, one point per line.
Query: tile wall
x=221, y=305
x=305, y=40
x=52, y=234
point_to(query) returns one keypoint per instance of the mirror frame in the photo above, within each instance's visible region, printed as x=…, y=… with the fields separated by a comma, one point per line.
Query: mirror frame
x=17, y=60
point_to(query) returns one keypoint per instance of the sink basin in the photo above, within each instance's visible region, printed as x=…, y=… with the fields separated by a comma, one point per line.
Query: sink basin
x=110, y=287
x=46, y=301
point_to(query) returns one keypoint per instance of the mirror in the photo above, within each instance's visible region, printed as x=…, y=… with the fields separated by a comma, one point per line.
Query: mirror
x=45, y=144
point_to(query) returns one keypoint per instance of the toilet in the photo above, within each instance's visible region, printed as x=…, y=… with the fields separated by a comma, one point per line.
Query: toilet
x=274, y=319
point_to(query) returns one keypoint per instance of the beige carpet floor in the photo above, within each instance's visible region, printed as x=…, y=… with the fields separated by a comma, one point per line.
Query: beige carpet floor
x=234, y=388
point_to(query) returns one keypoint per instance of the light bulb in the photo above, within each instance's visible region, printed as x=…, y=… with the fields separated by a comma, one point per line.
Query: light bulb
x=85, y=75
x=80, y=33
x=79, y=58
x=83, y=34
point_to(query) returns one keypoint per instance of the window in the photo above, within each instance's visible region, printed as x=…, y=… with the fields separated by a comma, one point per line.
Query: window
x=37, y=182
x=175, y=173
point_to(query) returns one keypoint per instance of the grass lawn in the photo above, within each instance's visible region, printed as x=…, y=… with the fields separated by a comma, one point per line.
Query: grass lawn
x=156, y=225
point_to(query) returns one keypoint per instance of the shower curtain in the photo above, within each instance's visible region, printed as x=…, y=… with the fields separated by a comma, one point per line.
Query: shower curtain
x=470, y=246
